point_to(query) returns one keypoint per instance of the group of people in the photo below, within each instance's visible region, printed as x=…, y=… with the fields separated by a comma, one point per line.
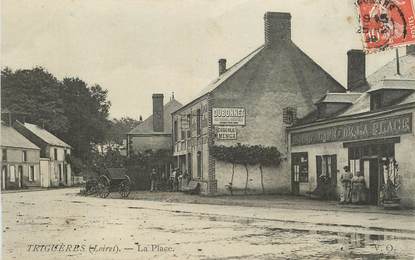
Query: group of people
x=354, y=187
x=172, y=182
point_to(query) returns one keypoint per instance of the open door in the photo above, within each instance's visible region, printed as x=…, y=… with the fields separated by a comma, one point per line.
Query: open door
x=371, y=172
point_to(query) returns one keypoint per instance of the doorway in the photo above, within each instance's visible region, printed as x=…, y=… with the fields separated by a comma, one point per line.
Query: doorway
x=371, y=171
x=4, y=177
x=20, y=174
x=299, y=171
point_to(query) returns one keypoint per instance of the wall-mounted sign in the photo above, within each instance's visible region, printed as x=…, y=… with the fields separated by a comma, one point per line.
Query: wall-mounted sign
x=228, y=116
x=381, y=127
x=226, y=132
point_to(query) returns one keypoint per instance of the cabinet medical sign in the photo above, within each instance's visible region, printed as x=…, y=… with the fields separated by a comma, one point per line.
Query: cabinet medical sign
x=381, y=127
x=228, y=116
x=226, y=133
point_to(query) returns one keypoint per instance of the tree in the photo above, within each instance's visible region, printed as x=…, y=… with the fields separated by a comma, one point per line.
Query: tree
x=33, y=96
x=87, y=110
x=70, y=109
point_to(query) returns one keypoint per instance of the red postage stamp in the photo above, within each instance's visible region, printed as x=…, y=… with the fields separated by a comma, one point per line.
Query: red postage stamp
x=386, y=23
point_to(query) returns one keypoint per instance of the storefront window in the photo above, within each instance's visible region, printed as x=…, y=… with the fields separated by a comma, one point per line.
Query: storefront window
x=327, y=167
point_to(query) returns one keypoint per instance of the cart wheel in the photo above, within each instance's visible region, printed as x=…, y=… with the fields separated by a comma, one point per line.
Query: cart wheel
x=124, y=188
x=91, y=188
x=103, y=188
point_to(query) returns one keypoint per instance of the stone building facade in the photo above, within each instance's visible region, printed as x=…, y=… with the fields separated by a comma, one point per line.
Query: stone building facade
x=273, y=80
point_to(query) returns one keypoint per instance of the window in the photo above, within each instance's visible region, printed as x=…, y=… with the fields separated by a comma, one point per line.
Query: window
x=189, y=120
x=375, y=101
x=354, y=166
x=175, y=129
x=12, y=174
x=182, y=134
x=199, y=164
x=4, y=155
x=199, y=122
x=25, y=156
x=32, y=173
x=55, y=154
x=327, y=166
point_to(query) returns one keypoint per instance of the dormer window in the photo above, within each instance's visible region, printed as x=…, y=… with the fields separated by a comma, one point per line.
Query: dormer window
x=375, y=101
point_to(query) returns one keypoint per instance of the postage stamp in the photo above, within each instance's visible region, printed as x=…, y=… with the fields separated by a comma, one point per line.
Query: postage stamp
x=386, y=23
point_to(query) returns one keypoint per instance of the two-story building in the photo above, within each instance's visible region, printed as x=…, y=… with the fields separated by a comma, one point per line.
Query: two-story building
x=20, y=160
x=252, y=103
x=54, y=167
x=371, y=132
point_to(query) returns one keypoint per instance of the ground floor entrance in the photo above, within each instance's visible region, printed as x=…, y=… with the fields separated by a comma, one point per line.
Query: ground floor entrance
x=375, y=161
x=371, y=169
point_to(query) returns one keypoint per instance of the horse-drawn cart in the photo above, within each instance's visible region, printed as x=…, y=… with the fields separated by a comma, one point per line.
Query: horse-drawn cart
x=114, y=179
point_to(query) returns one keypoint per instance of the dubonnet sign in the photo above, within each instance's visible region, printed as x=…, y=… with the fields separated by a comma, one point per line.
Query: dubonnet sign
x=382, y=127
x=228, y=116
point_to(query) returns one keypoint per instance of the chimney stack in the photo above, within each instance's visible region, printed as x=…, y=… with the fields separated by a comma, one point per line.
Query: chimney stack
x=410, y=50
x=356, y=69
x=222, y=66
x=158, y=113
x=277, y=28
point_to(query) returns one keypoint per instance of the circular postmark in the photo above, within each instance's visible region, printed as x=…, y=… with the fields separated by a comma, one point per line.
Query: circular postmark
x=383, y=23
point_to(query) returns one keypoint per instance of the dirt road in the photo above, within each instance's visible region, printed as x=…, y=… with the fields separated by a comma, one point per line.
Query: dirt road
x=59, y=224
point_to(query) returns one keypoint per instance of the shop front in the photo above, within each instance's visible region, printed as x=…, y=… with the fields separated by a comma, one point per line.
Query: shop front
x=378, y=147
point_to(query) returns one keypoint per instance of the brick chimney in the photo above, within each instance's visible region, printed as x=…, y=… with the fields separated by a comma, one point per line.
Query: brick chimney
x=277, y=28
x=356, y=69
x=158, y=113
x=410, y=50
x=222, y=66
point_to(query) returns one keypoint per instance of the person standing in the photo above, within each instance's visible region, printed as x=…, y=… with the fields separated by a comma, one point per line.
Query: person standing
x=172, y=179
x=346, y=180
x=153, y=178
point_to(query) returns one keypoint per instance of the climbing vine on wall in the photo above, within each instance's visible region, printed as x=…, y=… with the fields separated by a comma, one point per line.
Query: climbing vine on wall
x=247, y=155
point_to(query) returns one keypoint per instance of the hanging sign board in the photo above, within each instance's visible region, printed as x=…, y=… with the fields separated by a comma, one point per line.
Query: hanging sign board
x=226, y=133
x=228, y=116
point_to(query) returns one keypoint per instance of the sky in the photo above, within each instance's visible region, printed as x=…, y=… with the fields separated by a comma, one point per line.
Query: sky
x=134, y=48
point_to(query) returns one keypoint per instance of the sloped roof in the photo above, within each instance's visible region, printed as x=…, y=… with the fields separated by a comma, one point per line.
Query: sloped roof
x=284, y=68
x=45, y=135
x=388, y=71
x=11, y=138
x=383, y=78
x=146, y=127
x=229, y=72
